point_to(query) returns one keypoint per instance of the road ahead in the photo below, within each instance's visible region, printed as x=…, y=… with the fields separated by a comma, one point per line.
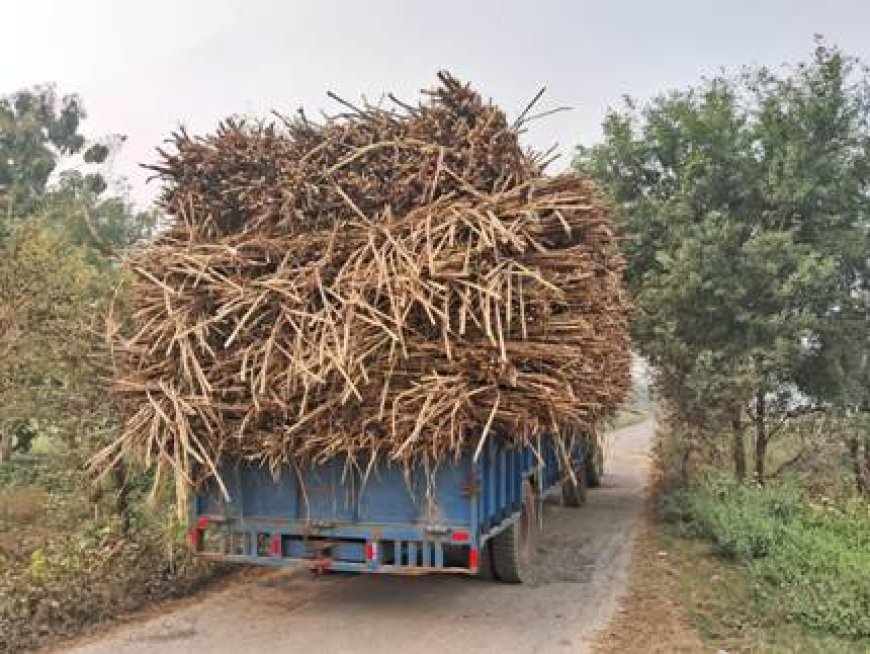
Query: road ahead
x=580, y=571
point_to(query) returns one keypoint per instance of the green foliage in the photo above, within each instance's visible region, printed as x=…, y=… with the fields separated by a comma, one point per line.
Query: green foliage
x=92, y=574
x=66, y=561
x=744, y=522
x=51, y=299
x=57, y=272
x=746, y=206
x=43, y=473
x=81, y=216
x=36, y=128
x=812, y=560
x=71, y=552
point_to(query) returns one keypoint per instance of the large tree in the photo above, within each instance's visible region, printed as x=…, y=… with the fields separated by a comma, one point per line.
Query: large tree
x=59, y=232
x=745, y=204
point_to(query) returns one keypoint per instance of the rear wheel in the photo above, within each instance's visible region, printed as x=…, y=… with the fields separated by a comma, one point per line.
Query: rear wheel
x=594, y=464
x=574, y=490
x=513, y=548
x=485, y=569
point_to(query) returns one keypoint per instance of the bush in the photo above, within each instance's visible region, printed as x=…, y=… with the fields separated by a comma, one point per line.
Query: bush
x=743, y=522
x=813, y=560
x=66, y=561
x=88, y=577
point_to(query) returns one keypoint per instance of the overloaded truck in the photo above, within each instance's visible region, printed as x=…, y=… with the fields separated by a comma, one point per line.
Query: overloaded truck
x=470, y=517
x=373, y=343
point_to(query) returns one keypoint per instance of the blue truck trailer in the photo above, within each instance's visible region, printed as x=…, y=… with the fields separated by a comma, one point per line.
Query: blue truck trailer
x=469, y=516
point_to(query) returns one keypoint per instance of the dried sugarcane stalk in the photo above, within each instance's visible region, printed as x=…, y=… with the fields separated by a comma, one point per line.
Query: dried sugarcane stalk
x=387, y=285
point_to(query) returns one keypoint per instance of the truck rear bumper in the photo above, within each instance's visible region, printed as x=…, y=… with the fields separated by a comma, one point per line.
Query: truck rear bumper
x=393, y=549
x=323, y=565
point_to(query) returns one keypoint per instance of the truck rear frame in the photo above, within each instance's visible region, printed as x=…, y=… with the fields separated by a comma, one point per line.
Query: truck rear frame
x=465, y=517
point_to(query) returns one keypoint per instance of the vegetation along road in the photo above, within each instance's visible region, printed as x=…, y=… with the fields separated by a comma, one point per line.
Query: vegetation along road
x=579, y=573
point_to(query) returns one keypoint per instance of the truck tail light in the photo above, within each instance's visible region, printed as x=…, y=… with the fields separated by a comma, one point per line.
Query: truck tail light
x=194, y=537
x=473, y=559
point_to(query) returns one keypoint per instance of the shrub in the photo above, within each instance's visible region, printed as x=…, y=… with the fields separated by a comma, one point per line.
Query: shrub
x=88, y=577
x=743, y=522
x=813, y=559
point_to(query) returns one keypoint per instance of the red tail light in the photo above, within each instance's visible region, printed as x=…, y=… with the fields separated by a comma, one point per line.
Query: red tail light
x=460, y=536
x=193, y=538
x=473, y=559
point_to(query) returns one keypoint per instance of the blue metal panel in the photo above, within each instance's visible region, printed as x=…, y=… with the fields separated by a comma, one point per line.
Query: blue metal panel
x=503, y=502
x=489, y=488
x=261, y=494
x=328, y=504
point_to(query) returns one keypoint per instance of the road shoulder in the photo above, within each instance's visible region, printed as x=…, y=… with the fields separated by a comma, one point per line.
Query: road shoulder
x=651, y=616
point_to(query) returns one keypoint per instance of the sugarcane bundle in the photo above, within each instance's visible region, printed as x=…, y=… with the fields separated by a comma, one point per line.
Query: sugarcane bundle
x=390, y=284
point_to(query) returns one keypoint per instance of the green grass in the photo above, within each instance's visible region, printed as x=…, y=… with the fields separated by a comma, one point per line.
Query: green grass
x=44, y=472
x=806, y=565
x=44, y=444
x=720, y=596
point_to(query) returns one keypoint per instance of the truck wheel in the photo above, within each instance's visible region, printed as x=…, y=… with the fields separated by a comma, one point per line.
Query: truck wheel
x=486, y=571
x=574, y=492
x=514, y=547
x=595, y=465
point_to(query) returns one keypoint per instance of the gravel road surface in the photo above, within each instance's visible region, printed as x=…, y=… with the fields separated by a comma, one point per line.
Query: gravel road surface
x=579, y=574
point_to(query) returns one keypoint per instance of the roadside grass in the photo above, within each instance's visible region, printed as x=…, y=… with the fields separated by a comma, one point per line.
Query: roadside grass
x=768, y=569
x=65, y=561
x=721, y=598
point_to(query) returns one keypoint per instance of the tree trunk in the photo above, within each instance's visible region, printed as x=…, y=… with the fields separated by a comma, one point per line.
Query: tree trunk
x=122, y=497
x=738, y=446
x=854, y=446
x=867, y=466
x=685, y=459
x=7, y=442
x=684, y=467
x=761, y=435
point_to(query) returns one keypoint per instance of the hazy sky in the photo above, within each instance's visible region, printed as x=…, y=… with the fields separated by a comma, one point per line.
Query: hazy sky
x=143, y=67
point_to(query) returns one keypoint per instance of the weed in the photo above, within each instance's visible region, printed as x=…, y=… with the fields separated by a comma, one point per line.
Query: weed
x=811, y=561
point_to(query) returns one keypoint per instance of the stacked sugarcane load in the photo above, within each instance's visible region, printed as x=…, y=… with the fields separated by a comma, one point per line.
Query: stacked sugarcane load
x=400, y=280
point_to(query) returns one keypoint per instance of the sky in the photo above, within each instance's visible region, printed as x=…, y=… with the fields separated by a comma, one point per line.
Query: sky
x=144, y=68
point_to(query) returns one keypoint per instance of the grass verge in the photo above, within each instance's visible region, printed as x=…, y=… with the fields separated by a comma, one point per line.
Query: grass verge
x=685, y=597
x=768, y=569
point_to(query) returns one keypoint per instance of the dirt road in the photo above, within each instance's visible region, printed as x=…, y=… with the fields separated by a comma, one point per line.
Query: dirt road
x=580, y=571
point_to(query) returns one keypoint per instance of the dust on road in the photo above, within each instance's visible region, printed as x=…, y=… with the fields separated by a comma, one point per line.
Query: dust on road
x=579, y=574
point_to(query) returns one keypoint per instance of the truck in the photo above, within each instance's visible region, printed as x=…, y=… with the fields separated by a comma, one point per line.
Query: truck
x=478, y=514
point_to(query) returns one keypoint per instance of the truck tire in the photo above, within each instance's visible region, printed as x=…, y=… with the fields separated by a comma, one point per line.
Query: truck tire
x=594, y=464
x=485, y=571
x=574, y=492
x=513, y=548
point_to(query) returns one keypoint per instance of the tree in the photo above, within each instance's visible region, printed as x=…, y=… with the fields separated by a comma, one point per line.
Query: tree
x=37, y=129
x=739, y=197
x=83, y=215
x=59, y=236
x=50, y=353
